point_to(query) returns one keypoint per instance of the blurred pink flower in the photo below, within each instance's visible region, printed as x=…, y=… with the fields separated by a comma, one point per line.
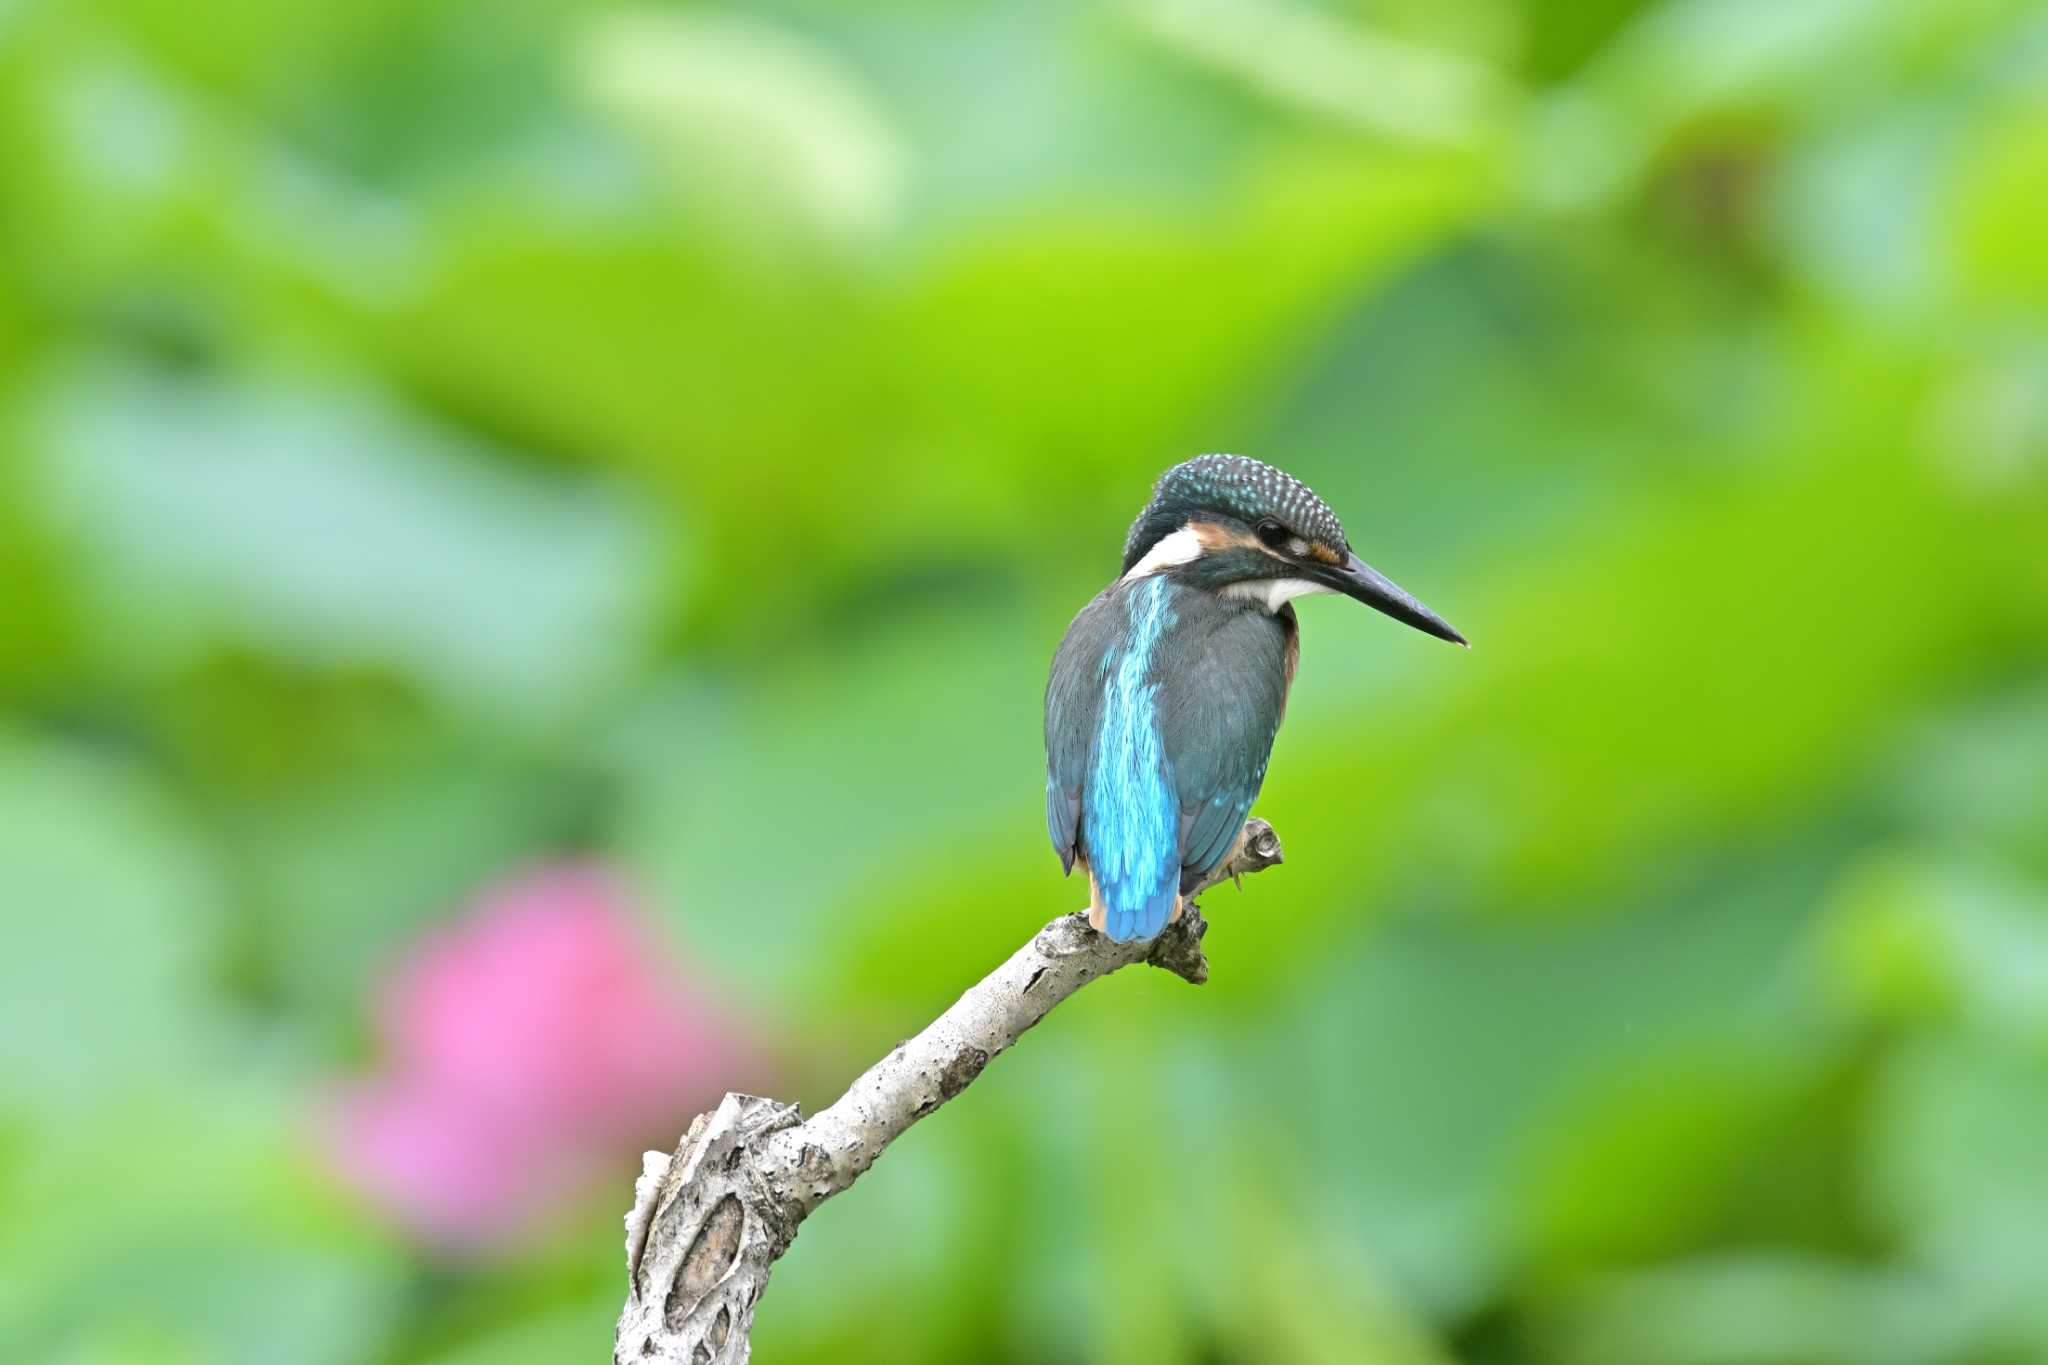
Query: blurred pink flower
x=528, y=1046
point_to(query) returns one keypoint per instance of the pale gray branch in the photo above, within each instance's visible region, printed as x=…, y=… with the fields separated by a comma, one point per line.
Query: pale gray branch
x=709, y=1222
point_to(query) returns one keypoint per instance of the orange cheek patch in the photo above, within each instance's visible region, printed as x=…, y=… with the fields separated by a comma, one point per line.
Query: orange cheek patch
x=1217, y=537
x=1323, y=552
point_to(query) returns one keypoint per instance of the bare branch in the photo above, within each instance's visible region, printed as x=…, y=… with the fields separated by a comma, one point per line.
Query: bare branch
x=709, y=1222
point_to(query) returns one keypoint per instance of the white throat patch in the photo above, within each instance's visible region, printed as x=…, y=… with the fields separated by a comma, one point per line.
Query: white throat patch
x=1182, y=547
x=1275, y=593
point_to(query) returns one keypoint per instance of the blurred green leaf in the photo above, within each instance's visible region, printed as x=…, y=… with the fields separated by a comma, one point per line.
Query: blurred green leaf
x=114, y=929
x=1919, y=940
x=1998, y=220
x=1646, y=1168
x=745, y=112
x=1757, y=1308
x=337, y=531
x=1954, y=1168
x=178, y=1226
x=541, y=1339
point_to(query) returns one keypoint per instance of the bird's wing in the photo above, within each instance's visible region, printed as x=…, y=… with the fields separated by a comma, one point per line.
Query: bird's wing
x=1222, y=705
x=1073, y=705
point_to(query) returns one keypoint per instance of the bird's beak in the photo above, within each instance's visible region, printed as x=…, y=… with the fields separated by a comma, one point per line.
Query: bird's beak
x=1356, y=578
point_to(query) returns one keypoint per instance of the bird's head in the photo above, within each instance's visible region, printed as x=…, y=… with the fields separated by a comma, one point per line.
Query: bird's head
x=1235, y=526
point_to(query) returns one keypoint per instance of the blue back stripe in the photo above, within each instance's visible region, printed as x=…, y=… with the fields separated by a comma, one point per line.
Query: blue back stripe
x=1132, y=817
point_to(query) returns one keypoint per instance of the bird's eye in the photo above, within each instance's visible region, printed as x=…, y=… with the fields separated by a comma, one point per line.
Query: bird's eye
x=1274, y=534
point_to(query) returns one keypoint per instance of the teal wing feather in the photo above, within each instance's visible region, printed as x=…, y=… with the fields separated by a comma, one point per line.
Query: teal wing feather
x=1222, y=704
x=1073, y=706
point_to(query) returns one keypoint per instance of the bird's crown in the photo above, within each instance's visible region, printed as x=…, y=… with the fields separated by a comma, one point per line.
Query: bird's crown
x=1236, y=486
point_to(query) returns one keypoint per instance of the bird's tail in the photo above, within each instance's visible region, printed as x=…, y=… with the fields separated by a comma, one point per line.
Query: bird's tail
x=1128, y=913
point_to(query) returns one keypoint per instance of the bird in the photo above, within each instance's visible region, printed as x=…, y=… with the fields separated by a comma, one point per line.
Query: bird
x=1169, y=686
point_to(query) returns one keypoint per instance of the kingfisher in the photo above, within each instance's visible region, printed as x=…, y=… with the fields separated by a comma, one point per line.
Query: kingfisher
x=1168, y=688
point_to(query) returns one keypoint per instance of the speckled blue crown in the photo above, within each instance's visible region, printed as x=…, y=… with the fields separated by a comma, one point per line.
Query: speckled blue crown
x=1236, y=486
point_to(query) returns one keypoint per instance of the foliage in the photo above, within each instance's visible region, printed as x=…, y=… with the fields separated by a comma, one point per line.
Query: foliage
x=440, y=437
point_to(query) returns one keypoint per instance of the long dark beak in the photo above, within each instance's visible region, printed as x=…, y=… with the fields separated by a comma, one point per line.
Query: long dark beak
x=1356, y=578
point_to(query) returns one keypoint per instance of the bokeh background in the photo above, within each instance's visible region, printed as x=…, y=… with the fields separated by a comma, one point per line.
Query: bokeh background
x=530, y=536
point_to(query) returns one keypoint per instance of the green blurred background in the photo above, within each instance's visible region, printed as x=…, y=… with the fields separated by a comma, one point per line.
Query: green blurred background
x=442, y=444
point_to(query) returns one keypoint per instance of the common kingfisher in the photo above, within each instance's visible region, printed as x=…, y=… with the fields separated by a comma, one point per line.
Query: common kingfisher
x=1169, y=686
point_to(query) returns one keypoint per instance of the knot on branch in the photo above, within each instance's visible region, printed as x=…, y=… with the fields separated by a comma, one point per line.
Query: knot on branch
x=1179, y=948
x=705, y=1226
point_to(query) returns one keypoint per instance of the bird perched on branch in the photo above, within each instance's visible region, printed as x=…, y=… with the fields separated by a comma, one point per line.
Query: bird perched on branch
x=1168, y=688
